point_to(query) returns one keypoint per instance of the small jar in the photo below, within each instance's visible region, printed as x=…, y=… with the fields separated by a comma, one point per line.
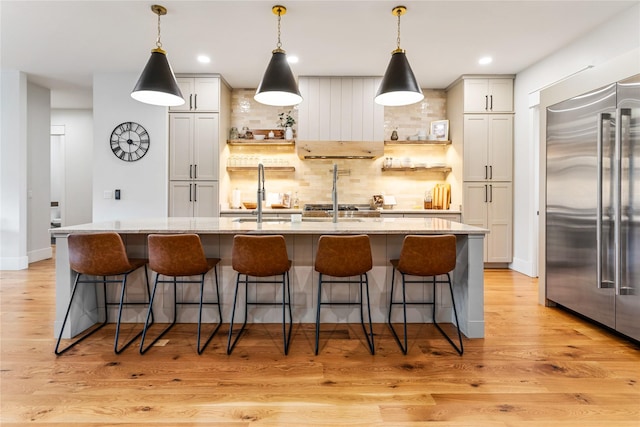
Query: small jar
x=428, y=202
x=233, y=133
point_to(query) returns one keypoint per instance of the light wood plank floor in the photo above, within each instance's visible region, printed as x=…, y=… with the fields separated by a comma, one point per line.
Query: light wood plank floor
x=537, y=366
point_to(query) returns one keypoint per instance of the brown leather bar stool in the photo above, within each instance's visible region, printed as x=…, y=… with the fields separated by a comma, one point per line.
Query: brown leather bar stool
x=180, y=256
x=102, y=254
x=425, y=256
x=345, y=256
x=261, y=257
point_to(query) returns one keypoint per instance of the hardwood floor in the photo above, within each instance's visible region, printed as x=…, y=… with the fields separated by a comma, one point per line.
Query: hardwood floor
x=537, y=366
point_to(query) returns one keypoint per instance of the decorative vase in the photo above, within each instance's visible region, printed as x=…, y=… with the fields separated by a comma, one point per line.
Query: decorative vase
x=288, y=133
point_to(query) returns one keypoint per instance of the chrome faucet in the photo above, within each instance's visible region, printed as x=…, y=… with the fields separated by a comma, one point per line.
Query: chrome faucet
x=261, y=194
x=334, y=193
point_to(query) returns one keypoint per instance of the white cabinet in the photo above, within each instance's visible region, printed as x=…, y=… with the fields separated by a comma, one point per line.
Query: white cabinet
x=340, y=109
x=490, y=205
x=193, y=146
x=201, y=94
x=193, y=198
x=479, y=109
x=488, y=95
x=488, y=147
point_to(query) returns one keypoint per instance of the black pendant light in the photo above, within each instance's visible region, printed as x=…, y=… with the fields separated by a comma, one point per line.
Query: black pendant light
x=278, y=86
x=399, y=85
x=157, y=84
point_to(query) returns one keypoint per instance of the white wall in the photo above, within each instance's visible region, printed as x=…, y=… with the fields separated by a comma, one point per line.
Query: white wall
x=614, y=38
x=13, y=170
x=143, y=183
x=38, y=173
x=78, y=165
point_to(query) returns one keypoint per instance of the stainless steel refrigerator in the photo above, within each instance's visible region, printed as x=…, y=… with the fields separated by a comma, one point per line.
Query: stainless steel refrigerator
x=593, y=205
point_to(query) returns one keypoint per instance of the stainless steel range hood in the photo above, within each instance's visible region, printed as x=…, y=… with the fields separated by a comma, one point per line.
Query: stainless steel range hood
x=340, y=149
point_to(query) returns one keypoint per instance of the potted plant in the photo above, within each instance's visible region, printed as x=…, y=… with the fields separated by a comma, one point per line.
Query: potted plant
x=286, y=121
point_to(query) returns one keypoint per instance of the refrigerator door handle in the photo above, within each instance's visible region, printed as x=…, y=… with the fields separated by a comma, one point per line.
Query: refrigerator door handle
x=602, y=283
x=622, y=114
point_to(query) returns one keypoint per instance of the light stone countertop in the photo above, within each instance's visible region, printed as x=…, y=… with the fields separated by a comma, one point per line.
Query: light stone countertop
x=214, y=225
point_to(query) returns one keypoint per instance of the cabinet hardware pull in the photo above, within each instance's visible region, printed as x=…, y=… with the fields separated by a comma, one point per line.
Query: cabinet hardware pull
x=486, y=102
x=491, y=108
x=486, y=176
x=190, y=193
x=195, y=103
x=490, y=172
x=485, y=193
x=195, y=171
x=491, y=193
x=190, y=171
x=190, y=101
x=195, y=192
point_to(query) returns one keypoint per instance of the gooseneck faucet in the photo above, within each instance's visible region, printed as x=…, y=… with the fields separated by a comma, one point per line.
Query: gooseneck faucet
x=261, y=194
x=334, y=193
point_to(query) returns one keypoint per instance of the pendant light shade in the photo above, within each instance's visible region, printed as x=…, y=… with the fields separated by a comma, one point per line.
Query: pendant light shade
x=157, y=84
x=399, y=85
x=278, y=86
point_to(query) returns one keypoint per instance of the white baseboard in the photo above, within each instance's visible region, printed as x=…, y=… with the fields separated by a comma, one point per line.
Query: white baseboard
x=40, y=254
x=524, y=267
x=14, y=263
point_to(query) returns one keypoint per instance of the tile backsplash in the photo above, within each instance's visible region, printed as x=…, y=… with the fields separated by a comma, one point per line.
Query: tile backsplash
x=359, y=180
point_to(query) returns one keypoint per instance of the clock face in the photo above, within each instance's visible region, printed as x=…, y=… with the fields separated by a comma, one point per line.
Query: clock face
x=129, y=141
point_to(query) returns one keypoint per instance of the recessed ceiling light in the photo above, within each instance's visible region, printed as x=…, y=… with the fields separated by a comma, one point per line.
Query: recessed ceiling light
x=485, y=60
x=292, y=59
x=204, y=59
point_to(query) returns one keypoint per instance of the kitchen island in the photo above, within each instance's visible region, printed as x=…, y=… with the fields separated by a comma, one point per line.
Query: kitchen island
x=386, y=236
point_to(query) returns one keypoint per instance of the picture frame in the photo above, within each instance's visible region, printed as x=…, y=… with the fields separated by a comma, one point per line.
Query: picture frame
x=440, y=130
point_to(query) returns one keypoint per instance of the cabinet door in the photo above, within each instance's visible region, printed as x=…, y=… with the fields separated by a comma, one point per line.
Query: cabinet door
x=181, y=146
x=205, y=146
x=205, y=200
x=500, y=147
x=206, y=94
x=476, y=95
x=181, y=198
x=474, y=207
x=186, y=87
x=500, y=222
x=500, y=95
x=476, y=140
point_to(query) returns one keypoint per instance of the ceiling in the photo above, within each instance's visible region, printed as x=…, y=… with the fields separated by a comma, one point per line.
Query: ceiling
x=60, y=44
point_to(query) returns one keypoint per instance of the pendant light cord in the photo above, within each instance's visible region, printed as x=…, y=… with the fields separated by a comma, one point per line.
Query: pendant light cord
x=158, y=42
x=279, y=44
x=398, y=40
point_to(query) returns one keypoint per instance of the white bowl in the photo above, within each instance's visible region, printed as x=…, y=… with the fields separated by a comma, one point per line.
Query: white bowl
x=258, y=137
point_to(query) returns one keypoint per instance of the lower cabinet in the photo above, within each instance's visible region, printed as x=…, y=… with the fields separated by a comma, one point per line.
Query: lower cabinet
x=489, y=205
x=194, y=198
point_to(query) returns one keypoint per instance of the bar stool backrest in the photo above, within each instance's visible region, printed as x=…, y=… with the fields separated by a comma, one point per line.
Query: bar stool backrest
x=177, y=254
x=260, y=256
x=427, y=255
x=343, y=256
x=98, y=254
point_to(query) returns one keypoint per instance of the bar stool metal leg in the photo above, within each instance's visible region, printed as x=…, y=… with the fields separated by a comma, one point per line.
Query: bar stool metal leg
x=460, y=348
x=144, y=349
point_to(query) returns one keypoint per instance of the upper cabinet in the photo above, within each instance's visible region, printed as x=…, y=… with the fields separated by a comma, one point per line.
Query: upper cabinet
x=201, y=94
x=488, y=95
x=193, y=146
x=340, y=109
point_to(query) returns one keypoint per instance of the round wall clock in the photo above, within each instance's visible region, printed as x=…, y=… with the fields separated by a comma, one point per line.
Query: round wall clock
x=129, y=141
